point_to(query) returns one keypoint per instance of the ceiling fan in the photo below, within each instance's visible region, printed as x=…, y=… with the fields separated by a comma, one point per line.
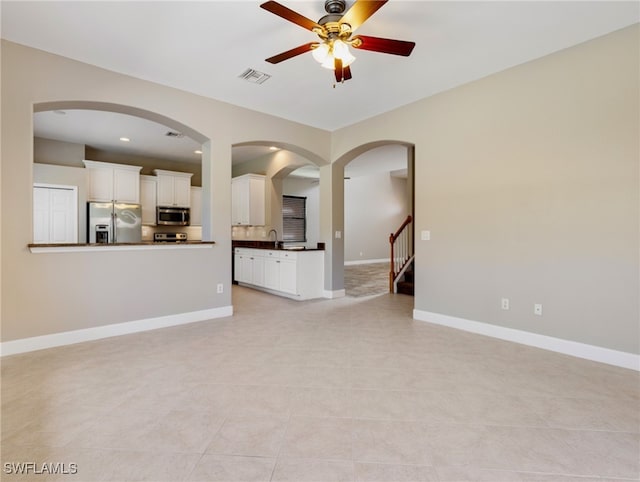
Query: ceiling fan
x=335, y=31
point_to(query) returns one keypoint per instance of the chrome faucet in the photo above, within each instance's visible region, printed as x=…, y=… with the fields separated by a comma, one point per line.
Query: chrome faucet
x=276, y=233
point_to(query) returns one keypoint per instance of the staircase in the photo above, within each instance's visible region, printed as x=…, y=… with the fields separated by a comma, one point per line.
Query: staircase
x=405, y=286
x=401, y=259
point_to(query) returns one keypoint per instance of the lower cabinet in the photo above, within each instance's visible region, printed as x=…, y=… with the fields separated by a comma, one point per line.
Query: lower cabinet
x=297, y=275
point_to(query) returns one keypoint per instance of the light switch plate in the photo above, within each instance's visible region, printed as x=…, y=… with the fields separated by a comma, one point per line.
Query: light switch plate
x=338, y=234
x=425, y=235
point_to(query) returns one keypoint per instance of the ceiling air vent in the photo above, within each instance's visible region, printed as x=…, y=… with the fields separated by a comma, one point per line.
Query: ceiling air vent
x=255, y=77
x=174, y=134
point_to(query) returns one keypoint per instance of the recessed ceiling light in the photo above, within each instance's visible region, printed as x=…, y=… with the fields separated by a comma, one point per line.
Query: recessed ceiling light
x=197, y=152
x=125, y=139
x=59, y=112
x=273, y=148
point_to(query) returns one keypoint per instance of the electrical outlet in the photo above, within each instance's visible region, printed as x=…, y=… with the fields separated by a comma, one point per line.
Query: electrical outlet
x=505, y=303
x=537, y=309
x=220, y=288
x=338, y=234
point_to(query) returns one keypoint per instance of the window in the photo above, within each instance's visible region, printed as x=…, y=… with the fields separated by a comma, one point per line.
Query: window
x=294, y=219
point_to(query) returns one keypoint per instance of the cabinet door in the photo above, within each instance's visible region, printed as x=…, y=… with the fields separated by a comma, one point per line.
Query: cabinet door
x=165, y=191
x=272, y=273
x=288, y=278
x=182, y=191
x=258, y=270
x=100, y=184
x=237, y=267
x=196, y=206
x=148, y=201
x=240, y=201
x=255, y=207
x=126, y=186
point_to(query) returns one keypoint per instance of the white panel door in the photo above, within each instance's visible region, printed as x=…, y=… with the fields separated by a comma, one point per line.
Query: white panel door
x=55, y=218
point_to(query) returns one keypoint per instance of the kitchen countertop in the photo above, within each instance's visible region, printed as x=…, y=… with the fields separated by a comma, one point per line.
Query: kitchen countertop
x=76, y=247
x=270, y=245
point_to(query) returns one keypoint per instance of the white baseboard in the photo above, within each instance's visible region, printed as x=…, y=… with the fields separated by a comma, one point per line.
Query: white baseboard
x=24, y=345
x=366, y=261
x=567, y=347
x=334, y=294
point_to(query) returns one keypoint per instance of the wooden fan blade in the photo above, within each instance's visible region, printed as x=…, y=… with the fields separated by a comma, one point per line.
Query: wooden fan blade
x=338, y=70
x=360, y=11
x=288, y=14
x=384, y=45
x=291, y=53
x=346, y=73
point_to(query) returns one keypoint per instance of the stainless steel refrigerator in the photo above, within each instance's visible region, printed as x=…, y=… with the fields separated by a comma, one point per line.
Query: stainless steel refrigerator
x=114, y=223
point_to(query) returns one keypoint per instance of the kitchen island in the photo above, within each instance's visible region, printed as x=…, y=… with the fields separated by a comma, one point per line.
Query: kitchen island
x=285, y=271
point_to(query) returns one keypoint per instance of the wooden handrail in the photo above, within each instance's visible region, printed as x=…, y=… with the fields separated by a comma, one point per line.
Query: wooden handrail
x=405, y=255
x=395, y=235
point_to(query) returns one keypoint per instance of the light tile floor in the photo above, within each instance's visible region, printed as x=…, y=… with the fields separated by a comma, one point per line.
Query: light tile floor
x=327, y=390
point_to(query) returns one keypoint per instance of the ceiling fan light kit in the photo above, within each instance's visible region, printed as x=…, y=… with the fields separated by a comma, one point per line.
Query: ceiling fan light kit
x=335, y=31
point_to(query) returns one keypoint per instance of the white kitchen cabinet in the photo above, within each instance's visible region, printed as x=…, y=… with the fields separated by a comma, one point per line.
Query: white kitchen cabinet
x=113, y=182
x=196, y=206
x=55, y=214
x=288, y=276
x=297, y=275
x=272, y=272
x=280, y=271
x=247, y=200
x=174, y=188
x=249, y=266
x=148, y=186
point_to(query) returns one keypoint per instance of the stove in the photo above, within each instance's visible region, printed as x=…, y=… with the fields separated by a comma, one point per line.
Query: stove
x=169, y=237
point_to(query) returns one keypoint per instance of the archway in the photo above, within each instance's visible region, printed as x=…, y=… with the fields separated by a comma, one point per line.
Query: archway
x=376, y=183
x=276, y=165
x=93, y=125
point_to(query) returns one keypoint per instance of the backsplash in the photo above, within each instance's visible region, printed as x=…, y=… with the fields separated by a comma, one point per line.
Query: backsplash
x=194, y=233
x=254, y=233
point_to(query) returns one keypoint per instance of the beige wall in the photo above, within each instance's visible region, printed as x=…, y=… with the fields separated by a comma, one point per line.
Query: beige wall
x=374, y=207
x=50, y=151
x=528, y=182
x=50, y=293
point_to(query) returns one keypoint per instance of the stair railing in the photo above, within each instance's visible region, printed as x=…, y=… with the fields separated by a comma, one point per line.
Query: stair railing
x=401, y=254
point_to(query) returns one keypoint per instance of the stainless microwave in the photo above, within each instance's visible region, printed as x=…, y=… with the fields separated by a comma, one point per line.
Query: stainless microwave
x=172, y=216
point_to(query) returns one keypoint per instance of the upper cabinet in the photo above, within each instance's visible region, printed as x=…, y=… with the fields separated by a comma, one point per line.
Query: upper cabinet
x=247, y=200
x=174, y=188
x=113, y=182
x=148, y=199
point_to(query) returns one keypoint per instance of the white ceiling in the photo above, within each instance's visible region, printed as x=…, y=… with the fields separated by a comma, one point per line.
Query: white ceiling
x=203, y=47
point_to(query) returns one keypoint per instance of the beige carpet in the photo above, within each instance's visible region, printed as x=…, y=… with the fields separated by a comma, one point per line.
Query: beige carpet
x=366, y=279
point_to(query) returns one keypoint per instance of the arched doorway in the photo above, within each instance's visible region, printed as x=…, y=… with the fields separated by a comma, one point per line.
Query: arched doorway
x=377, y=198
x=68, y=133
